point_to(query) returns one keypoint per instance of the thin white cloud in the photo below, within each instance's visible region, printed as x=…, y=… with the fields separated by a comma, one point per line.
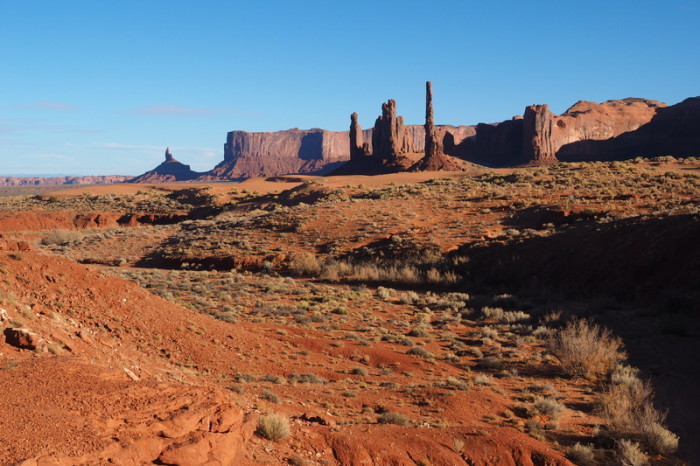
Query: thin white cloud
x=9, y=125
x=51, y=156
x=44, y=105
x=184, y=111
x=51, y=105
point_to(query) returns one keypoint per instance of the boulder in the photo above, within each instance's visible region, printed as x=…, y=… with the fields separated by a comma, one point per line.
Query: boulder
x=24, y=339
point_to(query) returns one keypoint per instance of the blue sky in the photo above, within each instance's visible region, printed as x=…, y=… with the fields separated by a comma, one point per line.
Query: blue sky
x=102, y=87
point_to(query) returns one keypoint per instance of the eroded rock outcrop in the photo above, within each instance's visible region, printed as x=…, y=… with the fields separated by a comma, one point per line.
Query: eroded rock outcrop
x=389, y=138
x=434, y=158
x=358, y=149
x=638, y=128
x=432, y=145
x=538, y=147
x=168, y=171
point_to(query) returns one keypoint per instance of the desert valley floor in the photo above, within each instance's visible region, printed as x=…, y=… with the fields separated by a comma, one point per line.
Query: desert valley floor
x=412, y=318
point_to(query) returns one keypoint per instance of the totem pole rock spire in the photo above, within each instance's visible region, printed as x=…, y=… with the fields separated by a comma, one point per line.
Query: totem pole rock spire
x=431, y=146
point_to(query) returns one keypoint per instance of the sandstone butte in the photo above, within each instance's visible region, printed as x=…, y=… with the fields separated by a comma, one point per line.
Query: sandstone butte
x=587, y=131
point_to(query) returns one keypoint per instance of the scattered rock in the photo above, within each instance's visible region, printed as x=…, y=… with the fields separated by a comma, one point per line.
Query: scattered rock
x=24, y=339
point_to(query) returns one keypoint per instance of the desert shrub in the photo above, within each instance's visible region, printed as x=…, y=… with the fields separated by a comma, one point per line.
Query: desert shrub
x=421, y=352
x=483, y=379
x=624, y=375
x=267, y=395
x=489, y=332
x=585, y=349
x=629, y=410
x=273, y=427
x=305, y=264
x=659, y=439
x=549, y=406
x=409, y=297
x=360, y=371
x=385, y=293
x=307, y=378
x=61, y=237
x=629, y=453
x=581, y=454
x=535, y=430
x=491, y=362
x=276, y=379
x=419, y=332
x=492, y=312
x=625, y=405
x=391, y=417
x=456, y=384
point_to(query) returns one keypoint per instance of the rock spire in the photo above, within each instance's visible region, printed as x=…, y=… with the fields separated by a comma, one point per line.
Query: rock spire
x=358, y=149
x=431, y=143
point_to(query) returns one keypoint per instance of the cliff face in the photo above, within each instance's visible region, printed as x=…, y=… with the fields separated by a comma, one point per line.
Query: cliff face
x=543, y=137
x=611, y=130
x=314, y=151
x=669, y=130
x=538, y=146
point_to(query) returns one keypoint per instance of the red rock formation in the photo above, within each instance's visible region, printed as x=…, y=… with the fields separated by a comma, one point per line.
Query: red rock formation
x=358, y=149
x=389, y=138
x=168, y=171
x=432, y=147
x=619, y=129
x=168, y=155
x=434, y=158
x=538, y=146
x=591, y=121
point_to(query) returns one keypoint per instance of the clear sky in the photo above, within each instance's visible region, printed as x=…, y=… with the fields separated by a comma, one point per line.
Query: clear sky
x=103, y=86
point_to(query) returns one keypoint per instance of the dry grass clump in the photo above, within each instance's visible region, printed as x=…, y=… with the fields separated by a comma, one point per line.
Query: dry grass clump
x=629, y=411
x=585, y=349
x=629, y=453
x=391, y=417
x=501, y=316
x=549, y=406
x=420, y=352
x=581, y=454
x=61, y=237
x=273, y=427
x=305, y=264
